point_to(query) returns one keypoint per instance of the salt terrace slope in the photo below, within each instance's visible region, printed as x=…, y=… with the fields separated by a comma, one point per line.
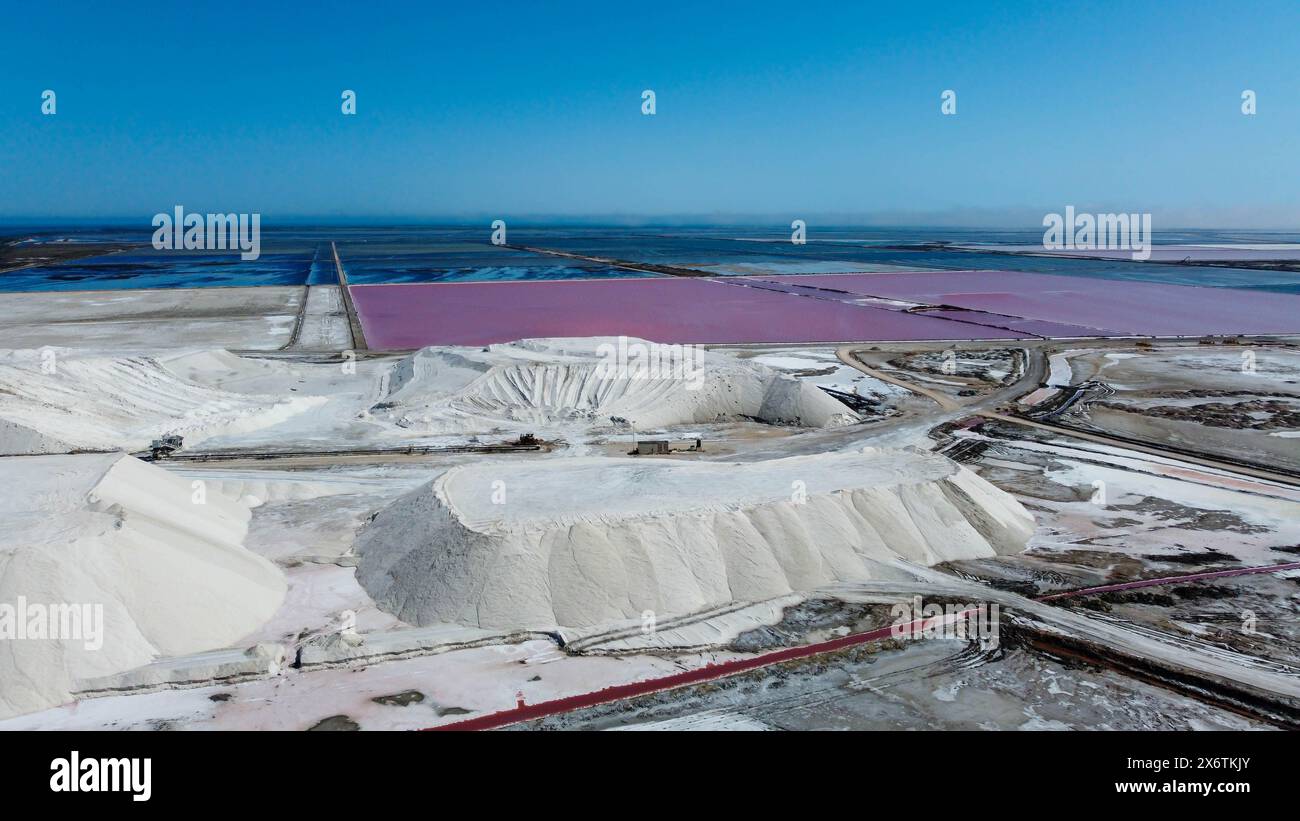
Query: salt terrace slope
x=587, y=381
x=589, y=541
x=59, y=400
x=109, y=531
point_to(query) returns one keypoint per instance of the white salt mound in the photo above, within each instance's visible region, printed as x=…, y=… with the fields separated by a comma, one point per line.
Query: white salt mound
x=59, y=401
x=540, y=382
x=170, y=574
x=588, y=541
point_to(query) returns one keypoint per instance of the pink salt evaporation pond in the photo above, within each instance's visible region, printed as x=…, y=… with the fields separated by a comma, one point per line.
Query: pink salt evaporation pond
x=1095, y=306
x=679, y=310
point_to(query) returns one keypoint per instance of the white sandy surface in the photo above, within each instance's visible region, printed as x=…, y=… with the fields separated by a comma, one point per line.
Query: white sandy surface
x=168, y=571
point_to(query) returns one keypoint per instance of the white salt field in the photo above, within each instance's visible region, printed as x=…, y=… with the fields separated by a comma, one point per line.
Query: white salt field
x=296, y=513
x=426, y=576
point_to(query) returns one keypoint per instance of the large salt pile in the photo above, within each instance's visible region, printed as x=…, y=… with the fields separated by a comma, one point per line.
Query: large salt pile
x=108, y=540
x=585, y=541
x=540, y=382
x=60, y=401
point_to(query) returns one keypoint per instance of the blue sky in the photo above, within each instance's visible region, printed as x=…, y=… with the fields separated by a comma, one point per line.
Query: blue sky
x=771, y=110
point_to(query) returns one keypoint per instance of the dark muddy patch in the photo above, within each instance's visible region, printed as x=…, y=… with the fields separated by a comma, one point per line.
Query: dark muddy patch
x=1192, y=518
x=335, y=724
x=1197, y=592
x=451, y=711
x=1254, y=412
x=1193, y=558
x=403, y=699
x=813, y=620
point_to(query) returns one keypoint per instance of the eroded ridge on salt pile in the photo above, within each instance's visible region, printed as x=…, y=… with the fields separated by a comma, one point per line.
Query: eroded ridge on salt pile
x=169, y=573
x=550, y=381
x=62, y=401
x=595, y=540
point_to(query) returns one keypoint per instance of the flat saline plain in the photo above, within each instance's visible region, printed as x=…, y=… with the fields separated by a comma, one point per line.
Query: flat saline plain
x=403, y=478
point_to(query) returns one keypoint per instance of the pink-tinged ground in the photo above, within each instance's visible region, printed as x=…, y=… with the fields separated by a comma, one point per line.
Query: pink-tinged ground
x=813, y=308
x=1107, y=306
x=1035, y=327
x=664, y=310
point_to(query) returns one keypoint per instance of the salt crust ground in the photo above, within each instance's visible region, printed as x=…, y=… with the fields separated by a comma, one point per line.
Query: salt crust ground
x=592, y=540
x=152, y=320
x=58, y=401
x=171, y=575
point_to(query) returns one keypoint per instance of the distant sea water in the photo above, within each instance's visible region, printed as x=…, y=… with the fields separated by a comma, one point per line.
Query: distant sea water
x=390, y=254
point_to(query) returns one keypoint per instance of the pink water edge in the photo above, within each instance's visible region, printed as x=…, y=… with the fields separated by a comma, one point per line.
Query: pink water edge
x=1109, y=307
